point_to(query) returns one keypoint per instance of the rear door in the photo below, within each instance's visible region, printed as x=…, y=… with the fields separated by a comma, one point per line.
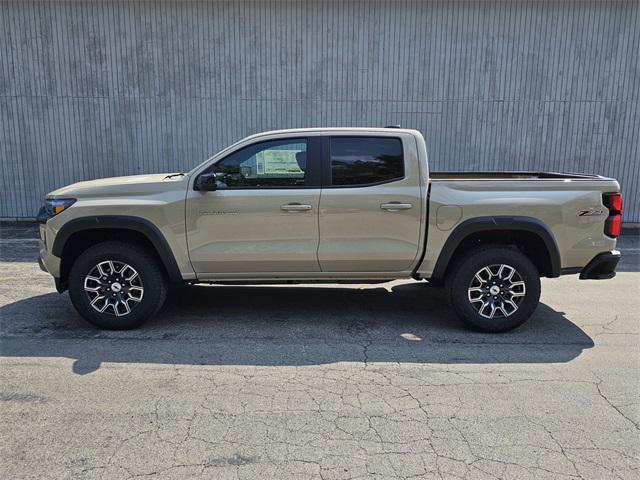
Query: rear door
x=371, y=207
x=263, y=217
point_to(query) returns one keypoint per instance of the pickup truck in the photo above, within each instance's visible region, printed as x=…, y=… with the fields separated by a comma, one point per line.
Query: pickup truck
x=337, y=205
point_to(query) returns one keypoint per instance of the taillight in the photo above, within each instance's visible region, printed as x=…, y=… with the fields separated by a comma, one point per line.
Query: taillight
x=614, y=202
x=613, y=223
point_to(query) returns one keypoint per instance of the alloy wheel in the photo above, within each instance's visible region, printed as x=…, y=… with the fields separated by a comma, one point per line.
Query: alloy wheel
x=113, y=287
x=496, y=291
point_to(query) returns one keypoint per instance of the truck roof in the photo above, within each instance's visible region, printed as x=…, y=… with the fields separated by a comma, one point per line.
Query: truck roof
x=337, y=129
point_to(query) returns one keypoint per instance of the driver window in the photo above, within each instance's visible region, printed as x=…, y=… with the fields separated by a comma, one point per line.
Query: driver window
x=275, y=163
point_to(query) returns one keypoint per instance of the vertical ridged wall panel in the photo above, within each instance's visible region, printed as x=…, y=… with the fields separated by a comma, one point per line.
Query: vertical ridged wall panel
x=95, y=89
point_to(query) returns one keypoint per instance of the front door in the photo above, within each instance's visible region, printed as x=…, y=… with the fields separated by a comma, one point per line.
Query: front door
x=263, y=217
x=371, y=205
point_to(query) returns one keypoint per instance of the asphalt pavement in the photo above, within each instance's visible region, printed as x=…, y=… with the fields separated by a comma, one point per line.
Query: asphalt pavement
x=318, y=382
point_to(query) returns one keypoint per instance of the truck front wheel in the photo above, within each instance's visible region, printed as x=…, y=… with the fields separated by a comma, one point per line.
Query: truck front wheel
x=117, y=285
x=494, y=289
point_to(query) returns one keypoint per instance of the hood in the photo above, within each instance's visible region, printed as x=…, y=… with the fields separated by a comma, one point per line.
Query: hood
x=130, y=185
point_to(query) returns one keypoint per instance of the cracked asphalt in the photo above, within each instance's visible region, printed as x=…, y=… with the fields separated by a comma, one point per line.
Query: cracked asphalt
x=318, y=382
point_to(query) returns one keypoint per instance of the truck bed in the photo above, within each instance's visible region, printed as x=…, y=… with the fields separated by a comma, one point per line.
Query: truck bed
x=569, y=205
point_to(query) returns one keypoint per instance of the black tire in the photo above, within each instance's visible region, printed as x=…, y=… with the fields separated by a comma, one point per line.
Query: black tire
x=462, y=278
x=150, y=276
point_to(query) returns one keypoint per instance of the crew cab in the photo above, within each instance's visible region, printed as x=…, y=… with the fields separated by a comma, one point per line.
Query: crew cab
x=330, y=205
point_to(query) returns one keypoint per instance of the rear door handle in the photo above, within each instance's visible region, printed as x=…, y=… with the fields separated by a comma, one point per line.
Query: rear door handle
x=295, y=207
x=396, y=206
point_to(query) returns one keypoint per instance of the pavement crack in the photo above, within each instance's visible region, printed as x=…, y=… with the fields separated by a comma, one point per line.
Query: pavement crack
x=612, y=405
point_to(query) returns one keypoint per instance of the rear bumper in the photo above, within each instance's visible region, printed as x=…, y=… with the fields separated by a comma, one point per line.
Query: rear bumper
x=602, y=267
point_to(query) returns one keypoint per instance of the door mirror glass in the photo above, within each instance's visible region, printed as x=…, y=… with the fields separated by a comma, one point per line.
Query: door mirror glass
x=206, y=182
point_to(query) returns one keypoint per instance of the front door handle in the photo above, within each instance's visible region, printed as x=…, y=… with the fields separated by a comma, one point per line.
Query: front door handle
x=295, y=207
x=396, y=206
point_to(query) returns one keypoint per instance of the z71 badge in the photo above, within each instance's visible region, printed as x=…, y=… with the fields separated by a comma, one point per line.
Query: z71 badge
x=592, y=212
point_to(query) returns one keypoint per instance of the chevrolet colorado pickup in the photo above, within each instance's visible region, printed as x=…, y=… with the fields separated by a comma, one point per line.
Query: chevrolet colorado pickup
x=334, y=205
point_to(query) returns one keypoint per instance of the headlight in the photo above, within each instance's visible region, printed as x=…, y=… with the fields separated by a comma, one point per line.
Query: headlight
x=52, y=208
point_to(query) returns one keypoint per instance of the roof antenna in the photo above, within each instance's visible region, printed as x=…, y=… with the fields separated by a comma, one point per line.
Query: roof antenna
x=392, y=126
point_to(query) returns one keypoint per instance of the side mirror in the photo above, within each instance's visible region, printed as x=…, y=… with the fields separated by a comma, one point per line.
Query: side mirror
x=206, y=182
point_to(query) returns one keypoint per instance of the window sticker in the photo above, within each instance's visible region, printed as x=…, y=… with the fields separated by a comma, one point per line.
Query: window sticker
x=277, y=162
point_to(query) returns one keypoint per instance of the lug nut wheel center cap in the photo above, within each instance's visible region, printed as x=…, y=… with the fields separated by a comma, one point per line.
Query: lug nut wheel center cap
x=494, y=290
x=116, y=287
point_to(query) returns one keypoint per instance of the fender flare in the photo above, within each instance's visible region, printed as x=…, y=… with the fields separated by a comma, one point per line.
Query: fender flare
x=484, y=224
x=124, y=222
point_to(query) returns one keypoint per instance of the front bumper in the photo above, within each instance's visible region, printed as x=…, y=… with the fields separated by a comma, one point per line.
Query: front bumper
x=43, y=267
x=602, y=267
x=48, y=262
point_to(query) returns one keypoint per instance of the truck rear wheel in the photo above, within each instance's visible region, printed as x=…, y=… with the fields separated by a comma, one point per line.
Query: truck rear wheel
x=117, y=285
x=494, y=289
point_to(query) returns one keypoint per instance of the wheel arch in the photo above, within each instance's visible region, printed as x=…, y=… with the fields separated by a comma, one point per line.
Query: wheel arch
x=78, y=234
x=520, y=231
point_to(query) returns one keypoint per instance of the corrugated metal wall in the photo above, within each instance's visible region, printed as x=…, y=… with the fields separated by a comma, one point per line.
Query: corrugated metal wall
x=93, y=89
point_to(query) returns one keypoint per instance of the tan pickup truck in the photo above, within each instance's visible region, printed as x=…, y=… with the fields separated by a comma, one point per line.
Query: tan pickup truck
x=334, y=205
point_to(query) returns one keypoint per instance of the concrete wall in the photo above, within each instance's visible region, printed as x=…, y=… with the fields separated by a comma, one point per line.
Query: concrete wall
x=93, y=89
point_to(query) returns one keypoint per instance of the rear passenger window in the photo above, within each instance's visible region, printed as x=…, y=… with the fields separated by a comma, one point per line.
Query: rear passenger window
x=365, y=160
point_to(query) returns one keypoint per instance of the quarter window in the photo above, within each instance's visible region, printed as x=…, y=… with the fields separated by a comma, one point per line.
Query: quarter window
x=366, y=160
x=275, y=163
